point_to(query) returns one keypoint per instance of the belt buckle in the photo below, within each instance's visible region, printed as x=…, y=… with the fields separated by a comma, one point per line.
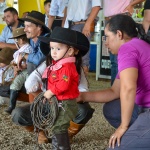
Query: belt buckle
x=72, y=23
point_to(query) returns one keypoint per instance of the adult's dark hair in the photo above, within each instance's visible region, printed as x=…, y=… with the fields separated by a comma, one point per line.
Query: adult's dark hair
x=128, y=26
x=123, y=23
x=47, y=1
x=12, y=10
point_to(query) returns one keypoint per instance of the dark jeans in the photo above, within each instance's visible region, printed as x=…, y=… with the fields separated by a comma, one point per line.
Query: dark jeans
x=137, y=137
x=22, y=115
x=5, y=90
x=114, y=67
x=30, y=67
x=112, y=113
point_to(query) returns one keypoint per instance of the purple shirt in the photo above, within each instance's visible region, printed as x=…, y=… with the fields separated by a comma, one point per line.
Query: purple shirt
x=136, y=54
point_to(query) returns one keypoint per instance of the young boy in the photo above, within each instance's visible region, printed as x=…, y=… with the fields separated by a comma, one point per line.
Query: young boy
x=47, y=4
x=62, y=73
x=20, y=75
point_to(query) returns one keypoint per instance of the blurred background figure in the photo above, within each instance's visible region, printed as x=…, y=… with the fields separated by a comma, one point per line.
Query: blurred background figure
x=25, y=14
x=146, y=18
x=3, y=6
x=56, y=13
x=47, y=4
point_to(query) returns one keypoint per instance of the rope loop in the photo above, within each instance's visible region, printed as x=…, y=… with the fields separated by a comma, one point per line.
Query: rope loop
x=44, y=112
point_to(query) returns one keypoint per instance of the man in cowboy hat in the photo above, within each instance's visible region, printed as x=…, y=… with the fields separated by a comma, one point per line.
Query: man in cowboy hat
x=34, y=26
x=11, y=19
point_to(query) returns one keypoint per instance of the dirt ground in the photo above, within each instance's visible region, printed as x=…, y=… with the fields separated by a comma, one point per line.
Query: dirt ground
x=94, y=136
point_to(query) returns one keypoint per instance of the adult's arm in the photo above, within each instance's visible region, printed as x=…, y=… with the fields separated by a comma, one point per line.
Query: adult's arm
x=90, y=19
x=146, y=18
x=34, y=81
x=128, y=80
x=101, y=96
x=130, y=7
x=36, y=57
x=50, y=21
x=52, y=13
x=56, y=9
x=11, y=45
x=3, y=40
x=65, y=16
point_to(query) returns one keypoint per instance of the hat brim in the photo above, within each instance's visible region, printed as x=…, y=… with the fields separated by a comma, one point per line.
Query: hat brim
x=17, y=36
x=82, y=48
x=46, y=29
x=45, y=49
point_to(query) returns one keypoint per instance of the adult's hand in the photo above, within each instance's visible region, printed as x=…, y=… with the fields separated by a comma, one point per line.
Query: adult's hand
x=80, y=98
x=86, y=29
x=10, y=45
x=129, y=8
x=16, y=70
x=116, y=137
x=2, y=45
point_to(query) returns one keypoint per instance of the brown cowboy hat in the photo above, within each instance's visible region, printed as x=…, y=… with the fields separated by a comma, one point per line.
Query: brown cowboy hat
x=69, y=37
x=6, y=55
x=36, y=17
x=17, y=33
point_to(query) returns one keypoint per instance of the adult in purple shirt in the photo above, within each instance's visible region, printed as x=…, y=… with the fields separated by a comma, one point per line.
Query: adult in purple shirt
x=127, y=102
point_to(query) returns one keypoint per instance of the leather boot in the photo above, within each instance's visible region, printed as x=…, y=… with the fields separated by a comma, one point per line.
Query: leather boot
x=13, y=99
x=42, y=137
x=60, y=142
x=73, y=129
x=29, y=128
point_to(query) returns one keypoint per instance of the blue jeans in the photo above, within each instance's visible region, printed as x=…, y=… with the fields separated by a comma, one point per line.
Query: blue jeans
x=114, y=67
x=112, y=113
x=137, y=137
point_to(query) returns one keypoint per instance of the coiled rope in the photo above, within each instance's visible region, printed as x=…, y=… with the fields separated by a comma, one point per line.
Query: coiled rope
x=44, y=112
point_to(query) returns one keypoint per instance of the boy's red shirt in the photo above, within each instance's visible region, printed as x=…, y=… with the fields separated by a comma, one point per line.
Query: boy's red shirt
x=63, y=79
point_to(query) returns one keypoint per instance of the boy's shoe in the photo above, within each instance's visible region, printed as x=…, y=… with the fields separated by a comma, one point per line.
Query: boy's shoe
x=9, y=110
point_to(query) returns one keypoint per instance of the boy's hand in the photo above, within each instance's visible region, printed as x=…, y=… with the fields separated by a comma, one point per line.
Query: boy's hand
x=48, y=94
x=16, y=70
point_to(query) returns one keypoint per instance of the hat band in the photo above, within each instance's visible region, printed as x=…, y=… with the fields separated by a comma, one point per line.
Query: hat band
x=40, y=22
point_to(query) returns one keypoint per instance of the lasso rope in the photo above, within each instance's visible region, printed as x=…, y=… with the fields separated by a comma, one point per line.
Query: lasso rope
x=44, y=113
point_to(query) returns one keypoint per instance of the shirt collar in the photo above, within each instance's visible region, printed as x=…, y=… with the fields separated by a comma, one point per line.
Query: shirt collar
x=58, y=65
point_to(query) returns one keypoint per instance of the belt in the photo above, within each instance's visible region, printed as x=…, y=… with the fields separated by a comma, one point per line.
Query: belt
x=78, y=22
x=144, y=109
x=126, y=13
